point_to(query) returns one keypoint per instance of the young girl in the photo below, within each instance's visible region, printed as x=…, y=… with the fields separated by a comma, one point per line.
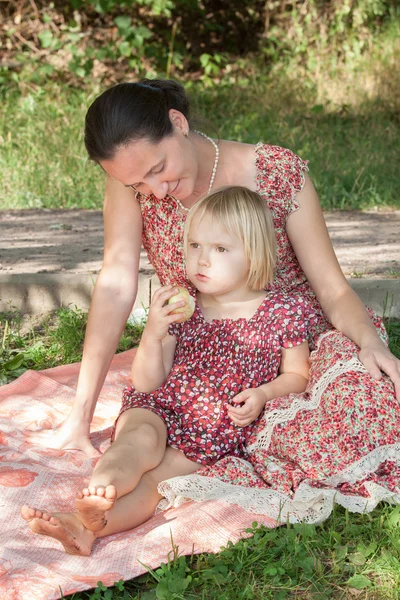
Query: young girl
x=198, y=386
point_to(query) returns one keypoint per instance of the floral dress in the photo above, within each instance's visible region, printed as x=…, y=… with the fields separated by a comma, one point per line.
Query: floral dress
x=339, y=441
x=213, y=362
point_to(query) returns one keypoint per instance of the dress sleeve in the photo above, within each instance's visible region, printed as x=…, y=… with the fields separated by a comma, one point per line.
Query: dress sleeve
x=280, y=175
x=294, y=317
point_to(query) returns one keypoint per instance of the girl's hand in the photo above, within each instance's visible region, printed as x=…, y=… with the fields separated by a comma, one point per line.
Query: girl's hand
x=253, y=400
x=160, y=317
x=377, y=358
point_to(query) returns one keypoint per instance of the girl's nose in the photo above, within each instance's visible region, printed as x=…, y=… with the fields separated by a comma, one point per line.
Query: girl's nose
x=204, y=260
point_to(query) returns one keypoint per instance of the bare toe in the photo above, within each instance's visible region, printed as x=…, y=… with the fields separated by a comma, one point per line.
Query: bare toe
x=27, y=512
x=66, y=528
x=111, y=493
x=92, y=508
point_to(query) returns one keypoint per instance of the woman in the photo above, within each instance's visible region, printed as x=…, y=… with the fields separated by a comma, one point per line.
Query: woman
x=157, y=169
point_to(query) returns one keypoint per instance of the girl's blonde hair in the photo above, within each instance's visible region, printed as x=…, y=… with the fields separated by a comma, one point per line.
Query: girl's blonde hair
x=244, y=214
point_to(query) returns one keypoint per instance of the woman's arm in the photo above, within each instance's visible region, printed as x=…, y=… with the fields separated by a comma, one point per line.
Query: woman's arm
x=112, y=301
x=309, y=237
x=292, y=379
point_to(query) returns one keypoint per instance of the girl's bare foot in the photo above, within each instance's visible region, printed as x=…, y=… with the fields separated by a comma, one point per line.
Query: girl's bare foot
x=93, y=503
x=64, y=527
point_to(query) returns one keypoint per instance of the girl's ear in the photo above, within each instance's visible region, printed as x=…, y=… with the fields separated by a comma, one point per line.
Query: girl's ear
x=178, y=120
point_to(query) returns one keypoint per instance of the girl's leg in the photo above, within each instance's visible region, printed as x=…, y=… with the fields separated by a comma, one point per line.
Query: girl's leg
x=139, y=447
x=138, y=506
x=128, y=512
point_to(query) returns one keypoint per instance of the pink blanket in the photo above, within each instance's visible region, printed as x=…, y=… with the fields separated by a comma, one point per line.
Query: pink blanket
x=37, y=568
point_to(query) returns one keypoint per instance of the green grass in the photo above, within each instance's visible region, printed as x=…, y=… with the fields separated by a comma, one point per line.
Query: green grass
x=393, y=329
x=353, y=151
x=348, y=556
x=55, y=340
x=42, y=157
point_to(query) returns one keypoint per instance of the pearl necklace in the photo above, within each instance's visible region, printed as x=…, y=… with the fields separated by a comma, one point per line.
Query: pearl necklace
x=213, y=172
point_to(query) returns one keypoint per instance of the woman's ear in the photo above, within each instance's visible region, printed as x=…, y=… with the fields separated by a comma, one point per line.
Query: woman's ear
x=179, y=121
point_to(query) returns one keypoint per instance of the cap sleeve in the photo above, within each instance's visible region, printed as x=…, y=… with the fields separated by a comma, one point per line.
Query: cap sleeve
x=280, y=175
x=293, y=318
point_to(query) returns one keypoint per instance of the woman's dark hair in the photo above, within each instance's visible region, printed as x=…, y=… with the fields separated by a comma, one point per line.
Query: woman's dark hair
x=132, y=111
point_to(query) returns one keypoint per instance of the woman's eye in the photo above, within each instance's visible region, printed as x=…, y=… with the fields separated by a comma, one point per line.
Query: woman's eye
x=159, y=170
x=194, y=245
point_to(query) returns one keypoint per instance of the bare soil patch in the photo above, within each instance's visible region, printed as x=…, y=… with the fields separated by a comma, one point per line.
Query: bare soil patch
x=367, y=244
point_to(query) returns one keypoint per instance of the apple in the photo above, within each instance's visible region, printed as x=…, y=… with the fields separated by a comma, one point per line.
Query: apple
x=187, y=310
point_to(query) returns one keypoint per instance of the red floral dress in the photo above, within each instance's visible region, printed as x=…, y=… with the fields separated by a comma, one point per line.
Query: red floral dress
x=339, y=441
x=213, y=362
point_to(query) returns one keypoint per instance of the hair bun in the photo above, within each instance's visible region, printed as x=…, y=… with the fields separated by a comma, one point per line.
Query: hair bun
x=174, y=93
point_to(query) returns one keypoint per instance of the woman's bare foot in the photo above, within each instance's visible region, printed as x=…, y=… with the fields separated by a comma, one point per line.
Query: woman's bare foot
x=64, y=527
x=93, y=503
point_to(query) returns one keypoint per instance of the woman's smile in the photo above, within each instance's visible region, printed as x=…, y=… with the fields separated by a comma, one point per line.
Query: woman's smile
x=175, y=189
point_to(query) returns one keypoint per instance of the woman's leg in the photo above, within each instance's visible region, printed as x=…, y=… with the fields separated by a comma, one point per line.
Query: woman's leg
x=128, y=512
x=344, y=433
x=139, y=447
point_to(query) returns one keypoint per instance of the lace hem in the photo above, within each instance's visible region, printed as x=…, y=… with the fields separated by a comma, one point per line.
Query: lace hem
x=309, y=504
x=276, y=417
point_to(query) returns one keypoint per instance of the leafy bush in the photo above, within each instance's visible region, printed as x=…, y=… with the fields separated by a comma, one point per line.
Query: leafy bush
x=118, y=39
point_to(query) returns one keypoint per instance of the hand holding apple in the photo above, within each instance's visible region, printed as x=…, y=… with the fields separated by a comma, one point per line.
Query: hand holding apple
x=170, y=304
x=188, y=309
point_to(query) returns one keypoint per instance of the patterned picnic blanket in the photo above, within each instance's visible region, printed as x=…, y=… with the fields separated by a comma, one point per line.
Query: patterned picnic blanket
x=37, y=568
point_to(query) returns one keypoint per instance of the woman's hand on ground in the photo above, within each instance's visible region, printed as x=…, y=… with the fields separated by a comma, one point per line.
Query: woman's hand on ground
x=253, y=402
x=71, y=435
x=378, y=358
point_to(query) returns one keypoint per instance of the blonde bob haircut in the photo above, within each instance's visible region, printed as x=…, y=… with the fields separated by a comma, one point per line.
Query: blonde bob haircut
x=245, y=215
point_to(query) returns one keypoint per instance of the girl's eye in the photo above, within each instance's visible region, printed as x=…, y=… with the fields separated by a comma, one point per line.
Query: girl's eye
x=159, y=170
x=220, y=249
x=194, y=245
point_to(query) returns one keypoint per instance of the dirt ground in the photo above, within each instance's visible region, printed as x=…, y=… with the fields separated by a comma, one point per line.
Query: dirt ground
x=367, y=244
